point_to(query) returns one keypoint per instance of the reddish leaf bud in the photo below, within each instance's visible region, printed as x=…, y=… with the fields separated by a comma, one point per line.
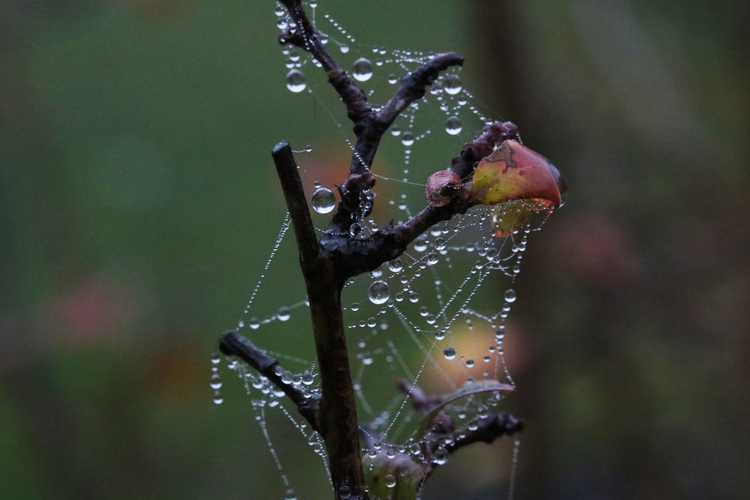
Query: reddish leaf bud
x=442, y=187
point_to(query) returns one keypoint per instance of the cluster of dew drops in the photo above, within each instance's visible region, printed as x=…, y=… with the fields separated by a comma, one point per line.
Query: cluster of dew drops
x=379, y=293
x=362, y=70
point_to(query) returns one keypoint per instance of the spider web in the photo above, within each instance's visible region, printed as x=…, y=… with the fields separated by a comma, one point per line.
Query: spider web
x=436, y=316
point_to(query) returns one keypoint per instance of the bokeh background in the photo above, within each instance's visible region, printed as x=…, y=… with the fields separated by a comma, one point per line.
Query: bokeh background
x=135, y=193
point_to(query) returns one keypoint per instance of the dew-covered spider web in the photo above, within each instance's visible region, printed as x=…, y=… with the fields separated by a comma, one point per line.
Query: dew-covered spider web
x=436, y=316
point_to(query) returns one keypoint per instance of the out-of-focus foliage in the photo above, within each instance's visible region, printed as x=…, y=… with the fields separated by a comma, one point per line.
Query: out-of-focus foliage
x=138, y=203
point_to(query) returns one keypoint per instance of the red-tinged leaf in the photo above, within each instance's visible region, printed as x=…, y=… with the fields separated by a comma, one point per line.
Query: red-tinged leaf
x=514, y=172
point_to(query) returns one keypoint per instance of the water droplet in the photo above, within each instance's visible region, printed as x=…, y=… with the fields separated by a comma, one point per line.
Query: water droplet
x=355, y=306
x=323, y=200
x=355, y=229
x=452, y=84
x=413, y=297
x=307, y=378
x=396, y=130
x=290, y=495
x=390, y=481
x=469, y=363
x=431, y=319
x=295, y=81
x=439, y=334
x=283, y=313
x=362, y=69
x=392, y=79
x=279, y=11
x=344, y=48
x=218, y=399
x=423, y=311
x=486, y=359
x=440, y=456
x=432, y=258
x=395, y=265
x=453, y=125
x=510, y=295
x=215, y=381
x=391, y=452
x=254, y=323
x=473, y=425
x=449, y=352
x=407, y=139
x=215, y=359
x=345, y=491
x=379, y=293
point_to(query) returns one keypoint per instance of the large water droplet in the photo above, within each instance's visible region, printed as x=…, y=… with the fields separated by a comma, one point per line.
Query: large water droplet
x=295, y=81
x=218, y=398
x=290, y=495
x=362, y=69
x=344, y=48
x=452, y=84
x=323, y=200
x=453, y=125
x=440, y=456
x=215, y=381
x=407, y=139
x=449, y=352
x=355, y=229
x=283, y=313
x=390, y=481
x=392, y=79
x=344, y=491
x=396, y=130
x=420, y=245
x=395, y=265
x=379, y=293
x=510, y=295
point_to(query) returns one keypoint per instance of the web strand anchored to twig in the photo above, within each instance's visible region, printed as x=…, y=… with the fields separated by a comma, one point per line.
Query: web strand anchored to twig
x=390, y=294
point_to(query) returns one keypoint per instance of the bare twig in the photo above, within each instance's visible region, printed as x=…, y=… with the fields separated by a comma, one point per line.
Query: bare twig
x=234, y=344
x=328, y=264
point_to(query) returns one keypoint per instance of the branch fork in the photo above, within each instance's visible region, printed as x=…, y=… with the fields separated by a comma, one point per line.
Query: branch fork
x=329, y=263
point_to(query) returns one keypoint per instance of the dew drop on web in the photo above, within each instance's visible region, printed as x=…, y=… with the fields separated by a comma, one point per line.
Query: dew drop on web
x=407, y=139
x=449, y=353
x=283, y=313
x=296, y=81
x=323, y=200
x=452, y=84
x=379, y=293
x=453, y=125
x=362, y=69
x=510, y=295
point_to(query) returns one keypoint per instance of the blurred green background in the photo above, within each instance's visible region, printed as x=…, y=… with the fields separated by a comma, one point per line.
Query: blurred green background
x=138, y=203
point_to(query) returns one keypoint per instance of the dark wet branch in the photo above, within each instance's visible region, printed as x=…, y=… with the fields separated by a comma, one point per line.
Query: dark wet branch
x=234, y=344
x=296, y=202
x=488, y=429
x=370, y=128
x=303, y=35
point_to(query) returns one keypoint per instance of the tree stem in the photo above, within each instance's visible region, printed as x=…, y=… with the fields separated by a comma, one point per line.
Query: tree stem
x=337, y=416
